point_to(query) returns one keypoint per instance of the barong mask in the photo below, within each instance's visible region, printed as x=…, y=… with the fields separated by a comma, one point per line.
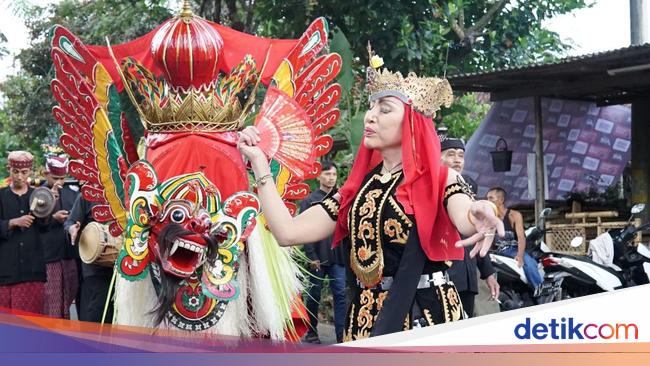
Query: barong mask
x=185, y=89
x=182, y=225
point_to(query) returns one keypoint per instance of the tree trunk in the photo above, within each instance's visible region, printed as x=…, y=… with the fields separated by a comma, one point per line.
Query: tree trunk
x=250, y=11
x=233, y=17
x=216, y=16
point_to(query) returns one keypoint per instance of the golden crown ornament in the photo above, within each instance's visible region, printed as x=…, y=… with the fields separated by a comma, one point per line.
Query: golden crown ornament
x=425, y=94
x=192, y=95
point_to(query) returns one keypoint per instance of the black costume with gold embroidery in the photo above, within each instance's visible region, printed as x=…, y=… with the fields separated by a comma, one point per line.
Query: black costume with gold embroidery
x=379, y=232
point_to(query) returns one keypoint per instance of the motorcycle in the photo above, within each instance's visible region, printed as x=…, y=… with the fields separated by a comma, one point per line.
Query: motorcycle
x=612, y=262
x=515, y=290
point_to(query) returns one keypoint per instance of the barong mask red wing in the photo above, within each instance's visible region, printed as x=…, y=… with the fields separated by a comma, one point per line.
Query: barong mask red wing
x=185, y=89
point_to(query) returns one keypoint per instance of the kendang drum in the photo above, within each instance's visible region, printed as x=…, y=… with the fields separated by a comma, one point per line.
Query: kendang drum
x=98, y=246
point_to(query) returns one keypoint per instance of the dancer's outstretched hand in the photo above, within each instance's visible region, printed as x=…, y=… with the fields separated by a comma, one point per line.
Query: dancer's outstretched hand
x=487, y=224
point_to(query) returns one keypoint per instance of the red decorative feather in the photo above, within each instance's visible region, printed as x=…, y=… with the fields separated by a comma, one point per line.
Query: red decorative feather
x=326, y=121
x=102, y=213
x=309, y=44
x=92, y=194
x=325, y=102
x=296, y=191
x=293, y=208
x=323, y=145
x=82, y=172
x=315, y=171
x=319, y=78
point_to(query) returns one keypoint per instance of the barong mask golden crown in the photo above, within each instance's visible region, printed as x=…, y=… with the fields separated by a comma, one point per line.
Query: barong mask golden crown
x=193, y=96
x=425, y=94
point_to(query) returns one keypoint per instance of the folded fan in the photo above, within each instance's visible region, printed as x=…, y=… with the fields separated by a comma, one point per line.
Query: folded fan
x=286, y=132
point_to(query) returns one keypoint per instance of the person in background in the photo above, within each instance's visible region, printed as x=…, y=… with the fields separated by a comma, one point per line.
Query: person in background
x=62, y=281
x=463, y=273
x=514, y=243
x=22, y=267
x=95, y=279
x=324, y=262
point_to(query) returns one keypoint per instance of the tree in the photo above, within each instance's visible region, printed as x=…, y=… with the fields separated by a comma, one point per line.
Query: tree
x=28, y=100
x=237, y=14
x=430, y=37
x=3, y=49
x=467, y=113
x=415, y=35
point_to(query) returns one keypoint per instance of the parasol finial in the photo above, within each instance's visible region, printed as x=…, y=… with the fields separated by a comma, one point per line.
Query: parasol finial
x=186, y=11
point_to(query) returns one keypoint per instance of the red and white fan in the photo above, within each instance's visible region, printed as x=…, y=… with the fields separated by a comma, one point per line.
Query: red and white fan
x=286, y=132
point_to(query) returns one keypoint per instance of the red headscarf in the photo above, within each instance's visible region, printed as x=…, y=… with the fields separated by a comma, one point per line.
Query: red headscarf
x=20, y=159
x=421, y=191
x=56, y=165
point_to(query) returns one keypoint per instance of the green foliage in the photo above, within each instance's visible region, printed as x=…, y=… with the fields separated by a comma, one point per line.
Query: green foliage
x=7, y=143
x=339, y=44
x=3, y=48
x=430, y=37
x=27, y=108
x=415, y=35
x=27, y=98
x=464, y=116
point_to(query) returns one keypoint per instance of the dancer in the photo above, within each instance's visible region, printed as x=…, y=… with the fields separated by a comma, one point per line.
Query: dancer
x=398, y=214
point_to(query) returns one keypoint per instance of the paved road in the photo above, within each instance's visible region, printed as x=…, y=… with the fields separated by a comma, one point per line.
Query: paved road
x=326, y=333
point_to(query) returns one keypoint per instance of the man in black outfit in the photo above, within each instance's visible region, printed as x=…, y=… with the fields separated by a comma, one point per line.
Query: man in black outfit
x=62, y=279
x=22, y=267
x=95, y=279
x=324, y=261
x=463, y=273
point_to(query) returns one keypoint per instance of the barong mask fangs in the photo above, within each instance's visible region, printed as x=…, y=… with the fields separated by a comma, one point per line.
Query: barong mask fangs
x=425, y=94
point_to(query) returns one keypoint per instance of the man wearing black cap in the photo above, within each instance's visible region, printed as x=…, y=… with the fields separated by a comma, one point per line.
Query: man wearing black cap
x=463, y=273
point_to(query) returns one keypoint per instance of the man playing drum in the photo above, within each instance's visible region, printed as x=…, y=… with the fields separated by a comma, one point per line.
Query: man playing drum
x=95, y=278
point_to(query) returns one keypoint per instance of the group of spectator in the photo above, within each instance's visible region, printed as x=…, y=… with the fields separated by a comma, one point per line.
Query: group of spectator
x=40, y=269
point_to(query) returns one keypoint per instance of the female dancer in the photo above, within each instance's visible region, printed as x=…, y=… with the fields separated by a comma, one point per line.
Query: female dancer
x=398, y=215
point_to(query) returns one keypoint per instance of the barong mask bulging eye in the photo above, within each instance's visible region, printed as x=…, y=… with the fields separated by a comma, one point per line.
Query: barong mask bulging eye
x=170, y=222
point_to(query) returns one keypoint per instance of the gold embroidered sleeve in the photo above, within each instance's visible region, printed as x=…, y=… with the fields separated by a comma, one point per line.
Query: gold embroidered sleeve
x=459, y=187
x=330, y=205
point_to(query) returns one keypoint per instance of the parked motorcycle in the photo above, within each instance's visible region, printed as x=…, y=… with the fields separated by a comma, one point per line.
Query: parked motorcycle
x=612, y=262
x=515, y=290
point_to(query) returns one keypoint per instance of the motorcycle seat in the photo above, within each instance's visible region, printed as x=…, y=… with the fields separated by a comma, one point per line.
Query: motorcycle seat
x=590, y=261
